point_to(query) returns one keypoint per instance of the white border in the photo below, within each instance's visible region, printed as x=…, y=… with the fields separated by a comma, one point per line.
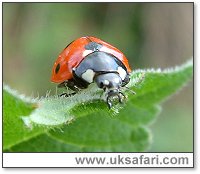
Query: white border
x=92, y=160
x=197, y=86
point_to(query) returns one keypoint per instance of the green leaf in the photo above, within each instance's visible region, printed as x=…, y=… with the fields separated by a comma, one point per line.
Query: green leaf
x=104, y=133
x=14, y=129
x=43, y=143
x=160, y=84
x=84, y=123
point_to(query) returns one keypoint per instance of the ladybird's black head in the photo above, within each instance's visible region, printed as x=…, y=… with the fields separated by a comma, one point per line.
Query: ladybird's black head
x=111, y=83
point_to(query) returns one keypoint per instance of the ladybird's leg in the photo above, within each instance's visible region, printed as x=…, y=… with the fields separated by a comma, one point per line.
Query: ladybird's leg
x=109, y=100
x=67, y=95
x=62, y=85
x=121, y=96
x=68, y=84
x=109, y=103
x=71, y=85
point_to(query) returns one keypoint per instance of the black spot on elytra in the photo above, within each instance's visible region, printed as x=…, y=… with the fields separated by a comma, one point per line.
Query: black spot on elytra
x=93, y=46
x=57, y=68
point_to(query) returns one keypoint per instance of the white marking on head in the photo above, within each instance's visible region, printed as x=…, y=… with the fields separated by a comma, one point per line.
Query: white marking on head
x=86, y=52
x=122, y=72
x=88, y=75
x=106, y=82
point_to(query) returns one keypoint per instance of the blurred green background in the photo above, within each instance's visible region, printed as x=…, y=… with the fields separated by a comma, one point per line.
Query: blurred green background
x=150, y=35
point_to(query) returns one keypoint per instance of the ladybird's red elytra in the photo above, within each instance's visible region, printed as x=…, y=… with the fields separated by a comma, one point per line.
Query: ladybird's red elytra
x=89, y=59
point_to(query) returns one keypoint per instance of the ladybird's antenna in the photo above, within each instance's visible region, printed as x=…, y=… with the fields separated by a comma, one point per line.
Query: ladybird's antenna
x=133, y=92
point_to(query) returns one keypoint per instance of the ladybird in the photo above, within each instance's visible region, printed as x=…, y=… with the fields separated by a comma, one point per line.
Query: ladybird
x=89, y=60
